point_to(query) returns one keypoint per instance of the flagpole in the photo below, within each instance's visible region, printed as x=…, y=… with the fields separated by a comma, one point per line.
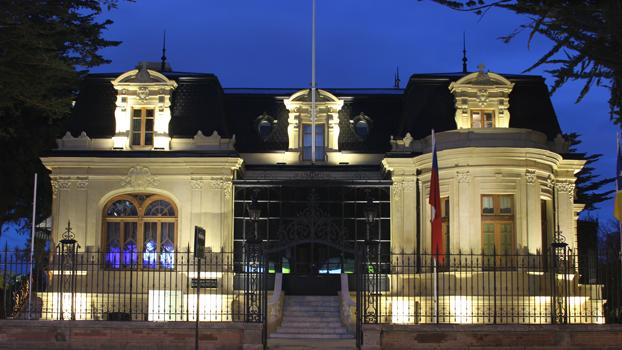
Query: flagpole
x=32, y=246
x=616, y=196
x=313, y=82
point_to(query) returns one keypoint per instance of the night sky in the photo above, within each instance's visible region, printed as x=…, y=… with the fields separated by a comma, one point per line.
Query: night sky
x=253, y=43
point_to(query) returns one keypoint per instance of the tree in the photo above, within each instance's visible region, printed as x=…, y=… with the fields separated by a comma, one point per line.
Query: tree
x=586, y=36
x=45, y=48
x=589, y=186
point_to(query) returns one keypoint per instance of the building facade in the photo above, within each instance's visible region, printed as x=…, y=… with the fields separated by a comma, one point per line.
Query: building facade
x=149, y=155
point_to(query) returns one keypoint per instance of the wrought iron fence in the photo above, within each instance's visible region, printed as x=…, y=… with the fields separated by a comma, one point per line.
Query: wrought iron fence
x=490, y=289
x=396, y=288
x=129, y=285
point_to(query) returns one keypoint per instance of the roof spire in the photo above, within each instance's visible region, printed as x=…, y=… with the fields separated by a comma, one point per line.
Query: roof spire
x=163, y=58
x=464, y=56
x=396, y=78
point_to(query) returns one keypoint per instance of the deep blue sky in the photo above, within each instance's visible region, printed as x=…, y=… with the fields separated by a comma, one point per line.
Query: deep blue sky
x=266, y=43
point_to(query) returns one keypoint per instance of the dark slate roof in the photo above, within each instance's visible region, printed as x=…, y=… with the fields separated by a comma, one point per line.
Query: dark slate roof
x=428, y=104
x=200, y=103
x=196, y=104
x=244, y=106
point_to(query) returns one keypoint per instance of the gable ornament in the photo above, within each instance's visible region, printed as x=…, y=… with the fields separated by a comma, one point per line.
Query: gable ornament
x=139, y=177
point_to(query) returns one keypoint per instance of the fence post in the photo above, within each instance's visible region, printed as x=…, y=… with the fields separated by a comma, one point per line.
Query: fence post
x=494, y=285
x=4, y=282
x=67, y=248
x=435, y=287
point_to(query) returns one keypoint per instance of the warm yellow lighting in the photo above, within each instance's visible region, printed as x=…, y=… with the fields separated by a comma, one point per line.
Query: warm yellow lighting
x=461, y=309
x=403, y=310
x=65, y=303
x=212, y=307
x=69, y=273
x=120, y=142
x=205, y=274
x=165, y=305
x=565, y=277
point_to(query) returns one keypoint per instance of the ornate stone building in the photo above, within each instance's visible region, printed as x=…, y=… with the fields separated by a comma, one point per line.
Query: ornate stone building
x=149, y=155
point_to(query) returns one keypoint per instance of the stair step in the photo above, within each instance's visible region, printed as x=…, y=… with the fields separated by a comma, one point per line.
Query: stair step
x=310, y=336
x=316, y=320
x=311, y=324
x=287, y=330
x=312, y=308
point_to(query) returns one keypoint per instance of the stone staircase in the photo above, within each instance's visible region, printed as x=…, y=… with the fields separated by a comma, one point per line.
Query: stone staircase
x=311, y=317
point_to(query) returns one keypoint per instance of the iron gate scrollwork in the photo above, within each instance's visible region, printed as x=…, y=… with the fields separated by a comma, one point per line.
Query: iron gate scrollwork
x=254, y=286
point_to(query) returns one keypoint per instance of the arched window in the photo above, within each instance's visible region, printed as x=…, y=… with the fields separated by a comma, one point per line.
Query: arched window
x=140, y=224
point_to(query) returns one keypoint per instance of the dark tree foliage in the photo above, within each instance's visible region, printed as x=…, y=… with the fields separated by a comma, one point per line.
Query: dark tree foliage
x=589, y=186
x=587, y=37
x=45, y=48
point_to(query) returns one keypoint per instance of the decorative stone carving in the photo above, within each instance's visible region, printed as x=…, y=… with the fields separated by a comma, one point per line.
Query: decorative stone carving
x=55, y=186
x=220, y=183
x=530, y=176
x=139, y=177
x=142, y=93
x=409, y=186
x=214, y=141
x=82, y=183
x=550, y=182
x=404, y=144
x=463, y=176
x=69, y=142
x=196, y=183
x=566, y=187
x=64, y=184
x=396, y=190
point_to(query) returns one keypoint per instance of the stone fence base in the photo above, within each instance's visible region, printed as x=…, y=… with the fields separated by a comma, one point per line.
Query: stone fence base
x=506, y=337
x=111, y=335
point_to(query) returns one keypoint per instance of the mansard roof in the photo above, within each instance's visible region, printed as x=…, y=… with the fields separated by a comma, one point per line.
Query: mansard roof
x=200, y=103
x=429, y=104
x=196, y=104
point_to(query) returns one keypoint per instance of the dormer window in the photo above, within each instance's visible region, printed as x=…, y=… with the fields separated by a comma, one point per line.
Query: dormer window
x=299, y=129
x=482, y=119
x=361, y=125
x=482, y=100
x=142, y=126
x=307, y=136
x=142, y=112
x=265, y=126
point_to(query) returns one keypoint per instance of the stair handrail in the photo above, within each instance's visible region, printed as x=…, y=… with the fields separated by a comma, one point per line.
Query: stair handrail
x=275, y=304
x=347, y=306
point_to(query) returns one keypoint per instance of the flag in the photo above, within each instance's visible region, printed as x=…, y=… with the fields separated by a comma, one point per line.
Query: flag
x=435, y=203
x=617, y=206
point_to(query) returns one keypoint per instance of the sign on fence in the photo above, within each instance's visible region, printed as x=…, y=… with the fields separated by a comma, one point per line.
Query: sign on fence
x=204, y=283
x=199, y=242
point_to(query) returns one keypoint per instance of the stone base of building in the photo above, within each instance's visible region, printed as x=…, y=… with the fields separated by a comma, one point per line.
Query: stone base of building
x=115, y=335
x=507, y=337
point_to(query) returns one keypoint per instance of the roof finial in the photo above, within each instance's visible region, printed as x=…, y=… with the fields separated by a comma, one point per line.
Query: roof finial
x=396, y=78
x=163, y=58
x=464, y=56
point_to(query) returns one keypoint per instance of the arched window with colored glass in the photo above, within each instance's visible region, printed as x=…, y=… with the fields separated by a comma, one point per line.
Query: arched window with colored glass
x=140, y=229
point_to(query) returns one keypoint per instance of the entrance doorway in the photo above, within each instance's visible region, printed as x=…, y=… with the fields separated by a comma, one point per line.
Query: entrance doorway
x=314, y=268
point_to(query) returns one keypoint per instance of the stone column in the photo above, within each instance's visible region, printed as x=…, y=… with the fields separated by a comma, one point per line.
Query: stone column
x=565, y=211
x=293, y=130
x=461, y=230
x=533, y=212
x=218, y=206
x=333, y=130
